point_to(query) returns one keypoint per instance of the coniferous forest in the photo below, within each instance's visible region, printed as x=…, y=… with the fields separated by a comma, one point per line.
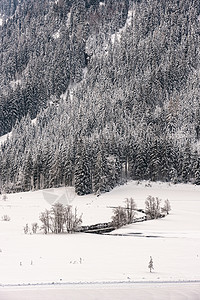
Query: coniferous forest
x=98, y=92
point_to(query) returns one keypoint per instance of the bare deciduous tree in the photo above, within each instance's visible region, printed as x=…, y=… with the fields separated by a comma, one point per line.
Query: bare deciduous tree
x=124, y=215
x=60, y=219
x=45, y=219
x=152, y=209
x=119, y=217
x=131, y=210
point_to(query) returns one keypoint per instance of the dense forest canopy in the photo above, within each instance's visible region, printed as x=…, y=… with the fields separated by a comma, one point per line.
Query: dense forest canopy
x=98, y=92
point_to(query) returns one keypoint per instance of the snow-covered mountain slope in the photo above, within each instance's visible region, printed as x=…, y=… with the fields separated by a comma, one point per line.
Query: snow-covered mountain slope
x=4, y=137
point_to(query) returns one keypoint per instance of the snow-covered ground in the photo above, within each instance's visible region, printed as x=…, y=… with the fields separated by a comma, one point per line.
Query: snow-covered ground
x=56, y=35
x=3, y=138
x=122, y=256
x=130, y=17
x=15, y=83
x=149, y=291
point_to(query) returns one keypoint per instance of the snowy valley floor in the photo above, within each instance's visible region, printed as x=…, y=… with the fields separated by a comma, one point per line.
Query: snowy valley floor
x=149, y=291
x=94, y=265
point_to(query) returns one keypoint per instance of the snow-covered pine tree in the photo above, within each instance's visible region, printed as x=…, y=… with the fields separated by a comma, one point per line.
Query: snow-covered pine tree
x=150, y=265
x=28, y=172
x=101, y=173
x=82, y=174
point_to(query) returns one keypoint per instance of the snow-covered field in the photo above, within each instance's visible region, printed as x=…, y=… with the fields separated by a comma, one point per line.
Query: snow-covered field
x=99, y=263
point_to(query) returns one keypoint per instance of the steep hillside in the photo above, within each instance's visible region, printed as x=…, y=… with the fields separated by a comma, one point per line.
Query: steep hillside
x=115, y=89
x=8, y=7
x=43, y=50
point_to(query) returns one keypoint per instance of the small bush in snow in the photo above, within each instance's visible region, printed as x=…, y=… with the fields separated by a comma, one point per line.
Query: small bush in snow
x=5, y=218
x=167, y=207
x=26, y=229
x=35, y=227
x=4, y=197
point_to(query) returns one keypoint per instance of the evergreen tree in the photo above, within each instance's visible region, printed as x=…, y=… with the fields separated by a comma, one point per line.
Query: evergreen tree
x=150, y=265
x=28, y=172
x=101, y=174
x=82, y=174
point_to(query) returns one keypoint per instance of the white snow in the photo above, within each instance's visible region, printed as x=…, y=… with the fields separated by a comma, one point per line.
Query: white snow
x=101, y=3
x=198, y=146
x=15, y=83
x=117, y=291
x=1, y=21
x=56, y=35
x=129, y=19
x=85, y=70
x=131, y=14
x=4, y=137
x=68, y=19
x=34, y=121
x=105, y=260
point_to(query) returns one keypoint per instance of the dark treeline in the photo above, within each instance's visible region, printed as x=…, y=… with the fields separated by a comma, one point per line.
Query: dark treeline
x=117, y=87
